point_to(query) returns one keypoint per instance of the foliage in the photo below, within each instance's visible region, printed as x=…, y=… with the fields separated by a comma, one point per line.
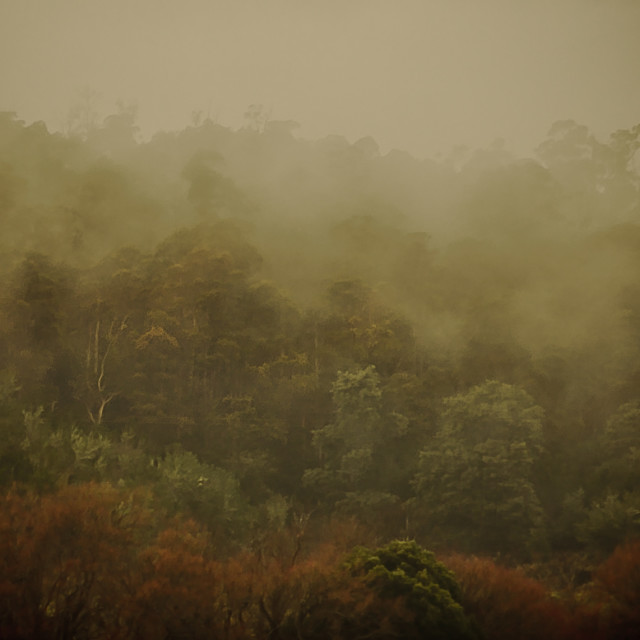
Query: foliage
x=93, y=561
x=610, y=521
x=249, y=325
x=619, y=579
x=414, y=595
x=66, y=560
x=620, y=449
x=475, y=482
x=507, y=604
x=209, y=494
x=352, y=449
x=179, y=589
x=608, y=606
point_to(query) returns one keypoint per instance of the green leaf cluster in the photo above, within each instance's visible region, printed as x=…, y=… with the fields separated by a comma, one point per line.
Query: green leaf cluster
x=402, y=570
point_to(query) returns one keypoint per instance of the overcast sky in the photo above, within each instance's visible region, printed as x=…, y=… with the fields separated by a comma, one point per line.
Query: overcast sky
x=416, y=75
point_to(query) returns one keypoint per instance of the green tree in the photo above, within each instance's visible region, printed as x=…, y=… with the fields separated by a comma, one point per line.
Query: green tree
x=620, y=450
x=608, y=509
x=357, y=329
x=49, y=451
x=350, y=447
x=209, y=494
x=475, y=484
x=415, y=595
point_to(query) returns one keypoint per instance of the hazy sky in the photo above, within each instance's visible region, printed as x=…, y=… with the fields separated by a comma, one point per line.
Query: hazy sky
x=416, y=75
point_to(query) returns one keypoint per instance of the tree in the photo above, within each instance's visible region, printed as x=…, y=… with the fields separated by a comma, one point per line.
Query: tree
x=66, y=561
x=410, y=595
x=348, y=449
x=608, y=606
x=101, y=344
x=49, y=451
x=180, y=588
x=475, y=484
x=42, y=296
x=599, y=180
x=609, y=505
x=356, y=329
x=610, y=520
x=14, y=463
x=257, y=117
x=620, y=450
x=82, y=119
x=206, y=493
x=117, y=136
x=505, y=603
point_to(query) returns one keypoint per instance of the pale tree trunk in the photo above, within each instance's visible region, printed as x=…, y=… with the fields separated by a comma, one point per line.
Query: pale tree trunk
x=97, y=356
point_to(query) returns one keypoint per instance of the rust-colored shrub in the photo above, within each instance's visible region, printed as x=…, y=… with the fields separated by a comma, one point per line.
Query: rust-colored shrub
x=179, y=589
x=507, y=604
x=610, y=607
x=66, y=561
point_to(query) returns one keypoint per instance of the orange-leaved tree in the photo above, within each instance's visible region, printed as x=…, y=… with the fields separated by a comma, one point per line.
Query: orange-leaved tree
x=507, y=604
x=610, y=606
x=179, y=588
x=66, y=561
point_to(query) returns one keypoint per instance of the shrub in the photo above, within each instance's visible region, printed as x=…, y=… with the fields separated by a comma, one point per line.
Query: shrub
x=505, y=603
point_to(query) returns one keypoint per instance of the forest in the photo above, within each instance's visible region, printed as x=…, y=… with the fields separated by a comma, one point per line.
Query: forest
x=255, y=386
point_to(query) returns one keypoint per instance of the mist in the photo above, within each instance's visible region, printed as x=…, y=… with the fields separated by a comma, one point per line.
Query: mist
x=424, y=77
x=309, y=308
